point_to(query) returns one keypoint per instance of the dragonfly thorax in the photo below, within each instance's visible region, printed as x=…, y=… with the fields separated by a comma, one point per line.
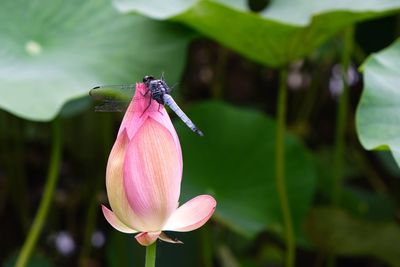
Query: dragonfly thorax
x=157, y=88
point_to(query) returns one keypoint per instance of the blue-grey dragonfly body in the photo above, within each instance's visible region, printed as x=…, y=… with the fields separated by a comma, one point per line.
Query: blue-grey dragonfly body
x=115, y=97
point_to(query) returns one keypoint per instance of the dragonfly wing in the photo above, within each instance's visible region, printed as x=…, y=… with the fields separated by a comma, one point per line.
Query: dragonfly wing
x=112, y=98
x=112, y=106
x=123, y=92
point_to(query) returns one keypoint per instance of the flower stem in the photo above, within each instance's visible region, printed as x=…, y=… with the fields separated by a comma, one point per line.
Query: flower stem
x=104, y=137
x=151, y=255
x=14, y=160
x=341, y=119
x=220, y=73
x=206, y=247
x=280, y=170
x=44, y=207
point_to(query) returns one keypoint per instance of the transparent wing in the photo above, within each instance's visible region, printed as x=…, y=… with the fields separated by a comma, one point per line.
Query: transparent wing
x=112, y=98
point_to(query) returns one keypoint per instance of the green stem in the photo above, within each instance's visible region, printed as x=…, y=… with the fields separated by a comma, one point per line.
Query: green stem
x=206, y=247
x=15, y=161
x=219, y=73
x=51, y=181
x=89, y=228
x=309, y=102
x=151, y=255
x=280, y=170
x=105, y=138
x=341, y=119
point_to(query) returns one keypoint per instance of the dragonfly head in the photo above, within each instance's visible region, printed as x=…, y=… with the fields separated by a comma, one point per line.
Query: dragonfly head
x=147, y=79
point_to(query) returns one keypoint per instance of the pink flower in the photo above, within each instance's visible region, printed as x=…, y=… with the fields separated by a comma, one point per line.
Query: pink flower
x=144, y=173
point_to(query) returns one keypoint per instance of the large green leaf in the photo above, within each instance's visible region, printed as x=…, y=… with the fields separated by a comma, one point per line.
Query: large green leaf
x=234, y=161
x=286, y=30
x=335, y=232
x=378, y=113
x=53, y=51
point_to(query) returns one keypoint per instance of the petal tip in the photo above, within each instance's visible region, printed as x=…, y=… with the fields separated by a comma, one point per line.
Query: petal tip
x=166, y=238
x=147, y=238
x=115, y=222
x=192, y=215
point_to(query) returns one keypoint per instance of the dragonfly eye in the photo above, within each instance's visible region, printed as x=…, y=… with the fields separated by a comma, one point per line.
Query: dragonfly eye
x=148, y=78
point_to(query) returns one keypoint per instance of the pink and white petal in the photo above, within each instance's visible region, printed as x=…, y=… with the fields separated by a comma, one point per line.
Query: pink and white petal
x=115, y=185
x=139, y=110
x=115, y=222
x=168, y=239
x=152, y=175
x=164, y=119
x=142, y=102
x=134, y=115
x=131, y=122
x=191, y=215
x=147, y=238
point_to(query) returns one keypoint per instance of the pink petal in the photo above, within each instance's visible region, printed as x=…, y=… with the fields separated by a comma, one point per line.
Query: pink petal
x=115, y=186
x=166, y=238
x=135, y=115
x=146, y=238
x=115, y=222
x=164, y=119
x=152, y=175
x=191, y=215
x=139, y=111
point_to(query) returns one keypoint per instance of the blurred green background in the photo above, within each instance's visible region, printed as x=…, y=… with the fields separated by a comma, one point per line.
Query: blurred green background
x=299, y=101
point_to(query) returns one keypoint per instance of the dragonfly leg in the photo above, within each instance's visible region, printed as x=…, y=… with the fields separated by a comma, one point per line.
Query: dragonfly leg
x=148, y=90
x=159, y=105
x=146, y=107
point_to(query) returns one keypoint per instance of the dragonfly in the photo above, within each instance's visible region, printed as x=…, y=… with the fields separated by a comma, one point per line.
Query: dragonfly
x=115, y=98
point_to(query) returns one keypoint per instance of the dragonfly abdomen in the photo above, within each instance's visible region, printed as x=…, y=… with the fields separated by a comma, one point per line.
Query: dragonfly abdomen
x=169, y=101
